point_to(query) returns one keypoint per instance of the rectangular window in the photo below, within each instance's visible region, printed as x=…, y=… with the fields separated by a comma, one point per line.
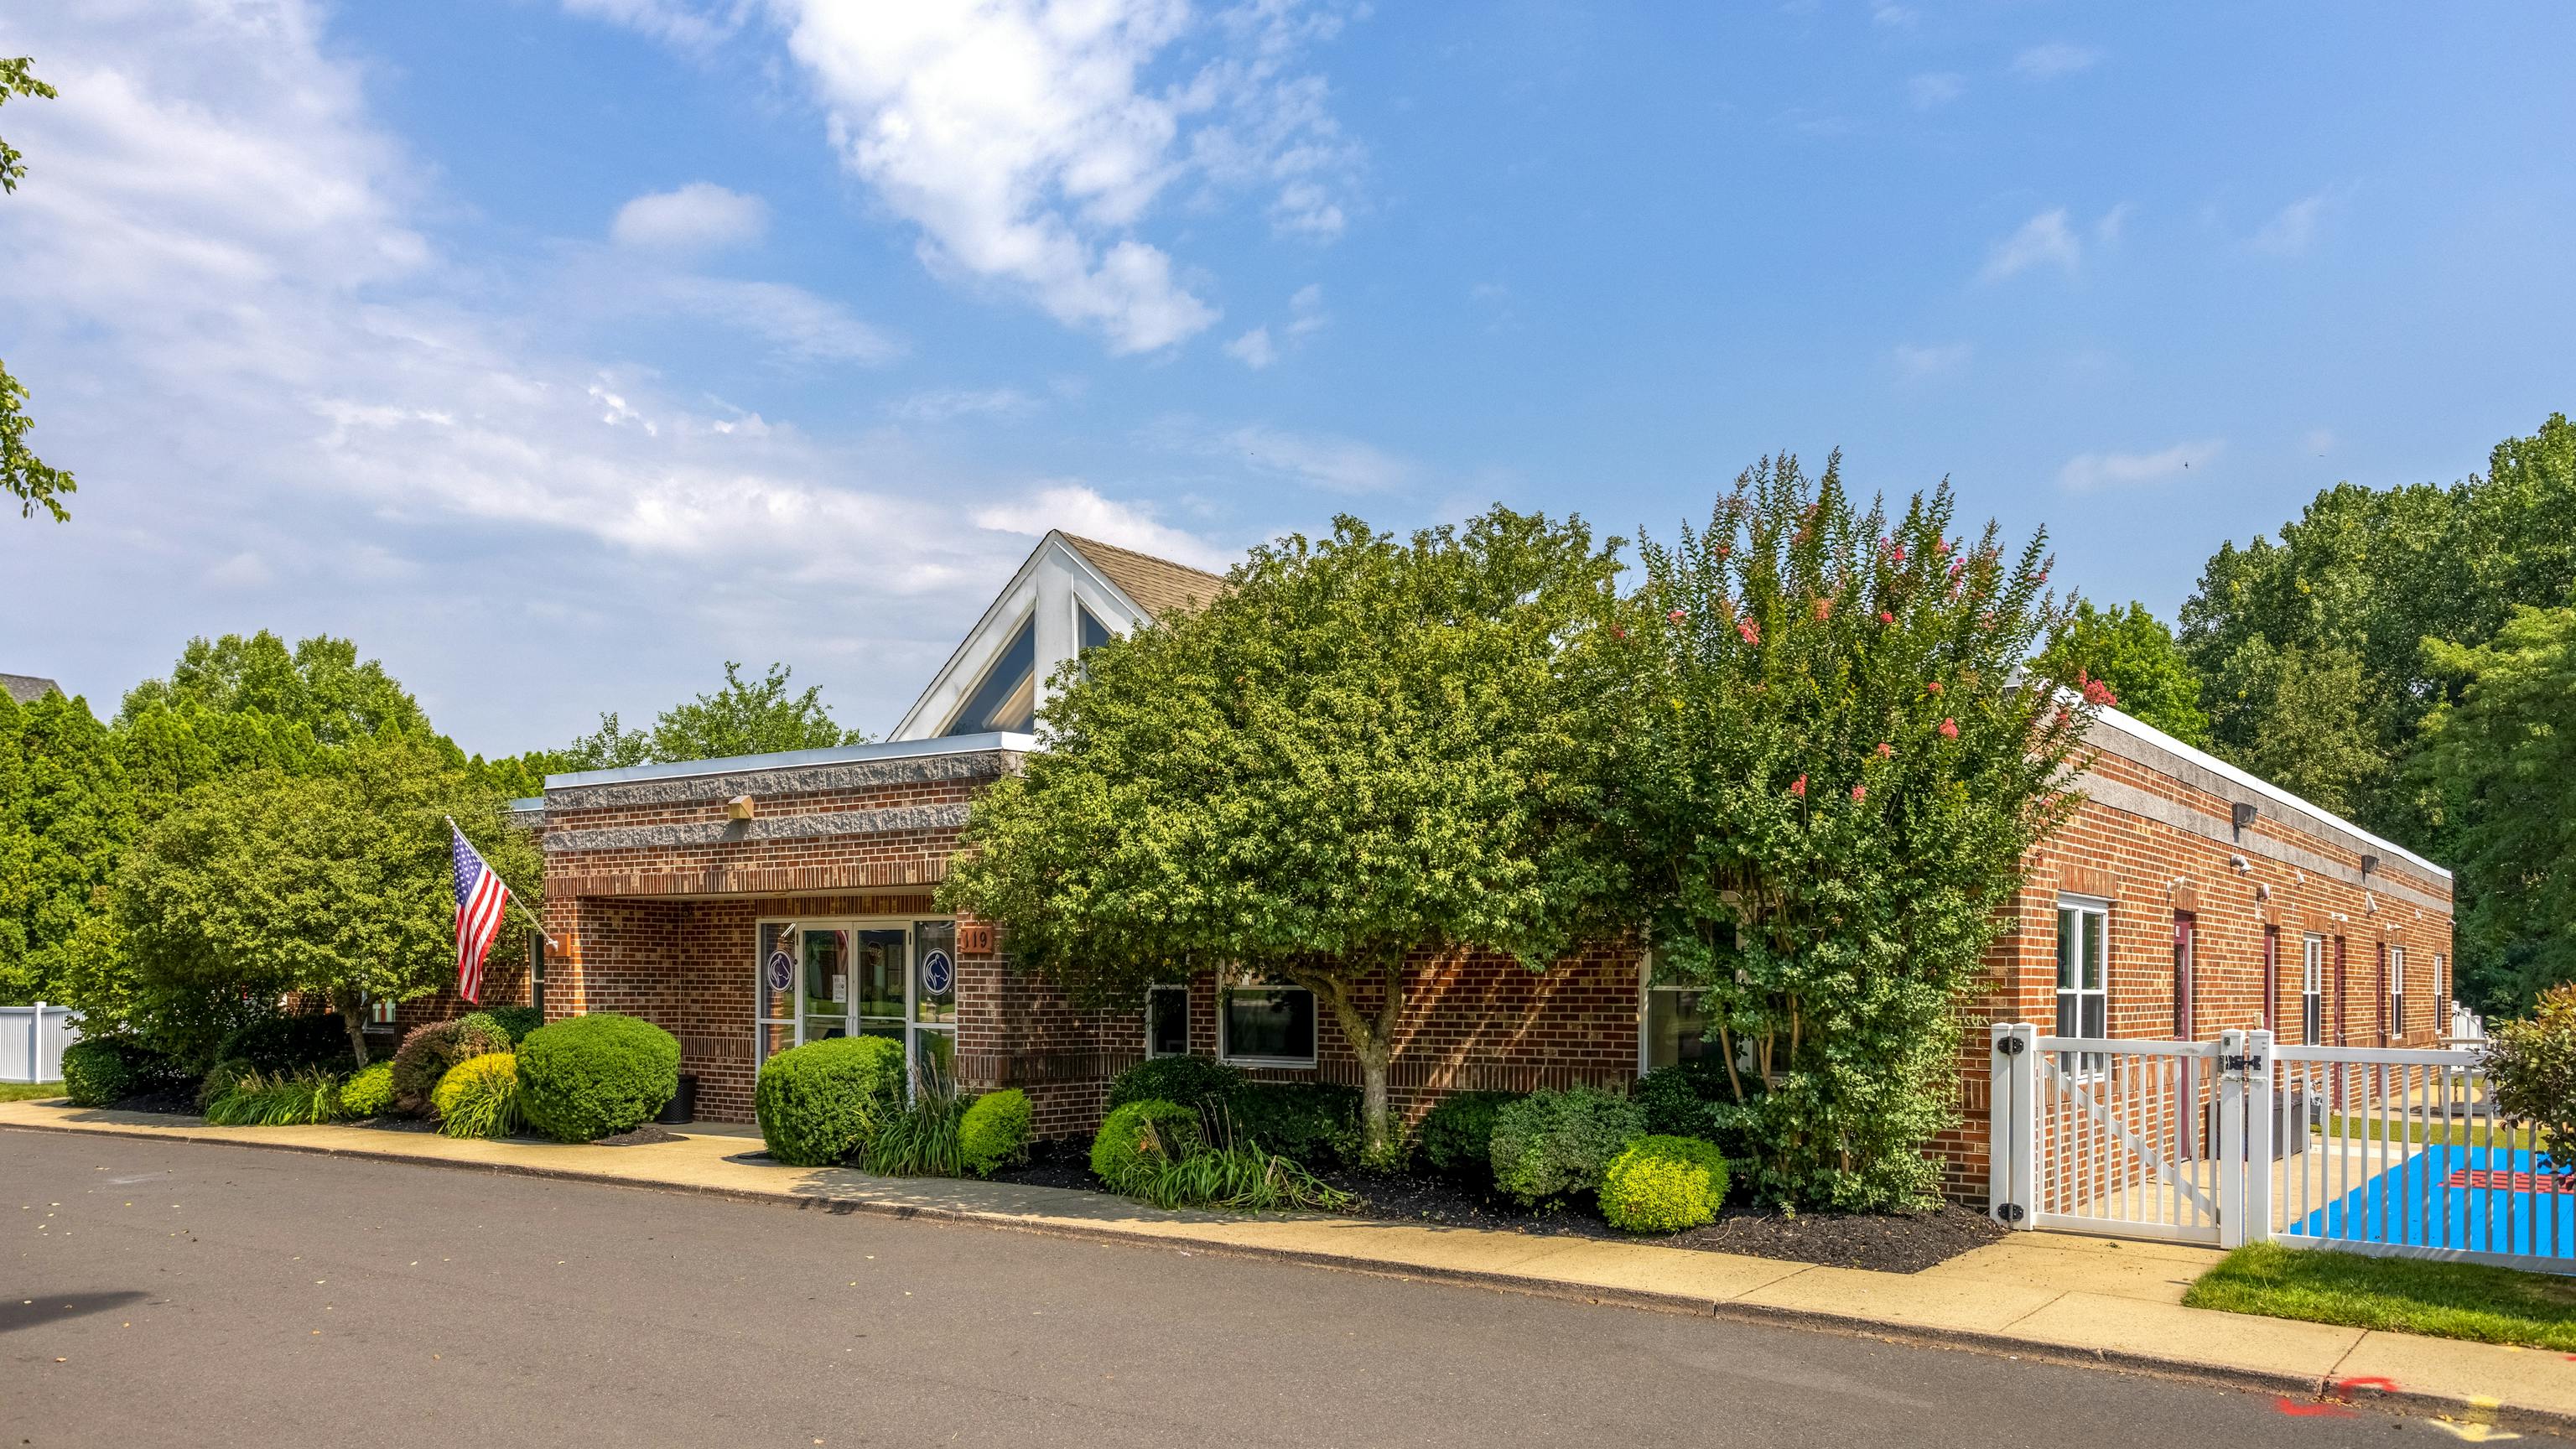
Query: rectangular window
x=2312, y=991
x=1167, y=1021
x=380, y=1011
x=1676, y=1027
x=2083, y=975
x=1268, y=1026
x=2397, y=990
x=2271, y=978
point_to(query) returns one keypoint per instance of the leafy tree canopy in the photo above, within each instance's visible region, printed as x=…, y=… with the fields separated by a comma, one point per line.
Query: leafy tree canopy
x=66, y=816
x=319, y=684
x=1828, y=780
x=1363, y=753
x=2499, y=771
x=23, y=475
x=2134, y=655
x=334, y=883
x=755, y=717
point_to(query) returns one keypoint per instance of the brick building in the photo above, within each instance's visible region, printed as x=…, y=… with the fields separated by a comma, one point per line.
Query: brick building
x=747, y=905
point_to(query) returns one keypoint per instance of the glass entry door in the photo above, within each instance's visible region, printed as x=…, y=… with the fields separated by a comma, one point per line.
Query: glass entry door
x=826, y=979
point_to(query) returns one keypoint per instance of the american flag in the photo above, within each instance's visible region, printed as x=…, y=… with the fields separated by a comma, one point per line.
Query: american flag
x=480, y=899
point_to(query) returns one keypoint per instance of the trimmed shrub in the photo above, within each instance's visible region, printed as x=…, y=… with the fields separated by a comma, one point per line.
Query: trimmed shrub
x=515, y=1021
x=103, y=1070
x=370, y=1093
x=427, y=1053
x=1308, y=1122
x=819, y=1103
x=1140, y=1135
x=260, y=1100
x=1190, y=1081
x=278, y=1043
x=1552, y=1144
x=995, y=1132
x=1458, y=1135
x=220, y=1079
x=588, y=1077
x=479, y=1096
x=1664, y=1184
x=1676, y=1099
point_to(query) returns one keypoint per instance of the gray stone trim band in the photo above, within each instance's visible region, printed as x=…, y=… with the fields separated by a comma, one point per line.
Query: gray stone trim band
x=741, y=832
x=785, y=780
x=2134, y=801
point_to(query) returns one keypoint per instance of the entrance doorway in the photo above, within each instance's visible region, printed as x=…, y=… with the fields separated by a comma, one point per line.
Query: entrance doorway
x=860, y=976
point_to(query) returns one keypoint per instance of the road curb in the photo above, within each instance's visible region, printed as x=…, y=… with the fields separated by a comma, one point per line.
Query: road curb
x=2501, y=1415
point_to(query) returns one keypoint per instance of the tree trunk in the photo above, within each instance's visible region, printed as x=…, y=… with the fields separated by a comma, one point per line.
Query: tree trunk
x=353, y=1015
x=1373, y=1042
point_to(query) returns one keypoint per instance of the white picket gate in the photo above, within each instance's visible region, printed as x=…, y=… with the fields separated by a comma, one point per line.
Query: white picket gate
x=32, y=1039
x=2366, y=1149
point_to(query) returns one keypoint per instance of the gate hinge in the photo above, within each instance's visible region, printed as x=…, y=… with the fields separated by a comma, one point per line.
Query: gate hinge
x=2010, y=1212
x=2010, y=1046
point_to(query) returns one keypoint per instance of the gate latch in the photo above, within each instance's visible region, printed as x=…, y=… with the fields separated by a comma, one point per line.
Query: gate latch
x=2010, y=1046
x=2247, y=1063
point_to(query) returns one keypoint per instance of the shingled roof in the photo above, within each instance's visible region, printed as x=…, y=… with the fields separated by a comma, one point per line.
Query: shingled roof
x=28, y=688
x=1158, y=585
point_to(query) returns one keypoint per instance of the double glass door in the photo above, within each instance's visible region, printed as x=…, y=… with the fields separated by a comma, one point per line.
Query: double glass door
x=897, y=979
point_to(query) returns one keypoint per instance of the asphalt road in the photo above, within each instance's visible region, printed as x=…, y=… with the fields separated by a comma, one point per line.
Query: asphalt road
x=174, y=1293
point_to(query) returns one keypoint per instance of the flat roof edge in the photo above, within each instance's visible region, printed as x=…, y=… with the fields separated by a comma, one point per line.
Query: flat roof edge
x=998, y=740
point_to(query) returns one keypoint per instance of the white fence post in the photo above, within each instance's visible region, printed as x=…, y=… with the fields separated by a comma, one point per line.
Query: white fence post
x=2012, y=1132
x=2231, y=1139
x=2262, y=1123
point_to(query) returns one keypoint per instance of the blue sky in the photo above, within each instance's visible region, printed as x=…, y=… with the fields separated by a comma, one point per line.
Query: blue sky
x=559, y=351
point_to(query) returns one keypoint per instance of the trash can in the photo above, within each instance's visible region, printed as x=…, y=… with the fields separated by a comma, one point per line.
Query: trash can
x=682, y=1109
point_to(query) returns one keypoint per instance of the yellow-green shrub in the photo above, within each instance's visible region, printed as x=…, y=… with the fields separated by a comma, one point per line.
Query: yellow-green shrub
x=479, y=1096
x=1663, y=1185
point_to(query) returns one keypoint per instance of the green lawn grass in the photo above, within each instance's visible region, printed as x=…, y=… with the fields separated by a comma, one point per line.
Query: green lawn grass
x=2373, y=1129
x=2402, y=1295
x=25, y=1091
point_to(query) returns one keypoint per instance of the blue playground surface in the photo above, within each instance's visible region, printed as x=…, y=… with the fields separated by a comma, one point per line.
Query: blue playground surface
x=2492, y=1200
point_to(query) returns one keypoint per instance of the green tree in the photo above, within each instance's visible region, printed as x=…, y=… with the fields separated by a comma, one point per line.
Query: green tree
x=2499, y=773
x=1825, y=774
x=66, y=817
x=1362, y=757
x=755, y=717
x=23, y=475
x=2300, y=718
x=2134, y=655
x=335, y=884
x=319, y=684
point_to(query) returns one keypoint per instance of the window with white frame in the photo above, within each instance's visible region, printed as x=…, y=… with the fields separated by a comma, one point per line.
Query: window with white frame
x=2397, y=990
x=2083, y=973
x=380, y=1010
x=1167, y=1021
x=2312, y=991
x=1676, y=1028
x=1270, y=1026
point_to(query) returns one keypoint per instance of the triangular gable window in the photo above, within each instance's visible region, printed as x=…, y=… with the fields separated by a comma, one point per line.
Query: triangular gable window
x=1007, y=699
x=1094, y=633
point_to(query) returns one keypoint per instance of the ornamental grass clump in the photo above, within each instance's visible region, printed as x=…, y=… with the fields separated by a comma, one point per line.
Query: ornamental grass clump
x=920, y=1137
x=1827, y=805
x=479, y=1097
x=256, y=1099
x=1663, y=1185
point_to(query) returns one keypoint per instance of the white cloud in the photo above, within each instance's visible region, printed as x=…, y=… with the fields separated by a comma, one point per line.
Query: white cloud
x=244, y=570
x=2113, y=225
x=1077, y=508
x=675, y=23
x=1028, y=140
x=1253, y=349
x=2319, y=441
x=2293, y=229
x=700, y=216
x=2055, y=59
x=1935, y=89
x=945, y=405
x=801, y=326
x=2044, y=240
x=1893, y=17
x=1315, y=460
x=1306, y=310
x=1922, y=362
x=2087, y=472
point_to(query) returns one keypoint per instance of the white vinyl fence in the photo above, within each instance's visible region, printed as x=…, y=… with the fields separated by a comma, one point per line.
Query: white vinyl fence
x=2378, y=1150
x=32, y=1039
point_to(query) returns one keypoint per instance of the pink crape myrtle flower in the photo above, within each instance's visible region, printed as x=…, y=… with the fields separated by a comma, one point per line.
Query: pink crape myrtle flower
x=1885, y=617
x=1932, y=687
x=1798, y=787
x=1860, y=792
x=1751, y=631
x=1886, y=751
x=1677, y=616
x=1824, y=610
x=1949, y=729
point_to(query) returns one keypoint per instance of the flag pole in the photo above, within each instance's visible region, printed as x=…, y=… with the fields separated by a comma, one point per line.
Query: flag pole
x=514, y=897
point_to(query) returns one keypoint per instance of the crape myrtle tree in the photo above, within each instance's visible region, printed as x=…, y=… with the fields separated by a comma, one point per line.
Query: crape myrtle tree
x=1361, y=755
x=335, y=883
x=1826, y=768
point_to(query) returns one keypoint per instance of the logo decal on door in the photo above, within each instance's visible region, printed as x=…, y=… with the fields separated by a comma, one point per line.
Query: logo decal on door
x=937, y=972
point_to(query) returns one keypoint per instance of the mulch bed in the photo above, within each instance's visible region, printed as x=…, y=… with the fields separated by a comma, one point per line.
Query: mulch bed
x=640, y=1137
x=170, y=1103
x=1883, y=1242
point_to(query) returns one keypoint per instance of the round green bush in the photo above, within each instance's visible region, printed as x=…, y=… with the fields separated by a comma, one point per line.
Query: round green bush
x=1140, y=1133
x=819, y=1103
x=515, y=1021
x=282, y=1043
x=1677, y=1098
x=427, y=1053
x=479, y=1096
x=1554, y=1144
x=220, y=1079
x=1191, y=1081
x=588, y=1077
x=1664, y=1184
x=98, y=1071
x=1458, y=1135
x=995, y=1131
x=369, y=1093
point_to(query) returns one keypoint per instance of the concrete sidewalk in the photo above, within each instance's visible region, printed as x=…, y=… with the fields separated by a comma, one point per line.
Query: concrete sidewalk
x=2051, y=1296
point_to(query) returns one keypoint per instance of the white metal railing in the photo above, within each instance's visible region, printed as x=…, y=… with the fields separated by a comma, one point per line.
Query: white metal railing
x=2367, y=1149
x=32, y=1039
